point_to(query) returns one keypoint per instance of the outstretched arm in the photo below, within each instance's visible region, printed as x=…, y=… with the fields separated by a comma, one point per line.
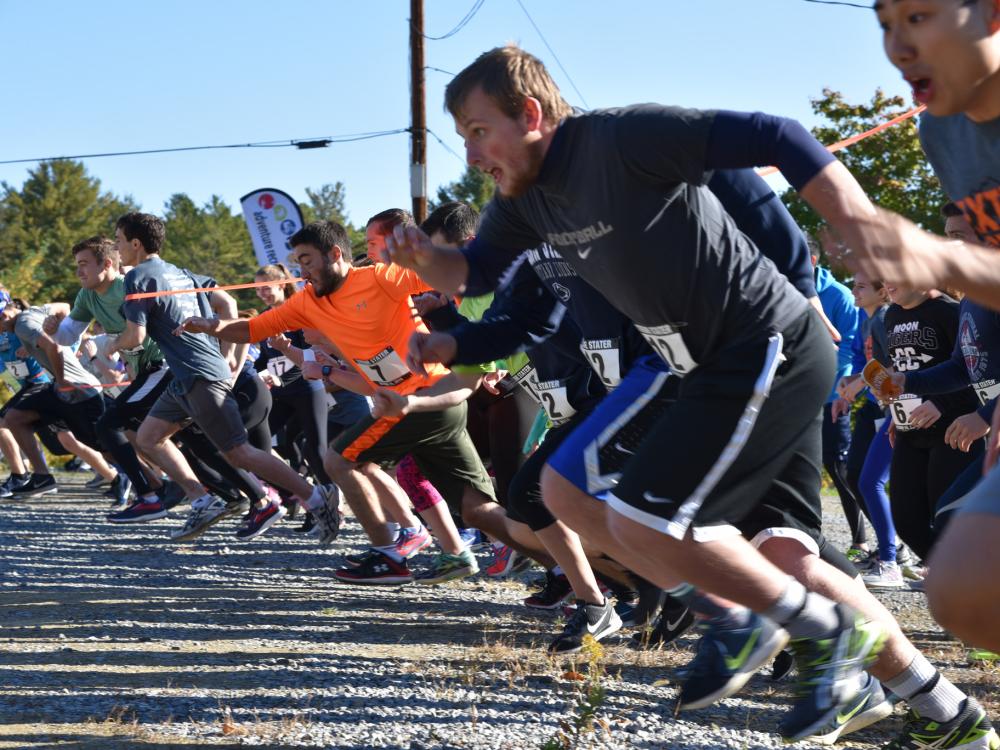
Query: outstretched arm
x=235, y=330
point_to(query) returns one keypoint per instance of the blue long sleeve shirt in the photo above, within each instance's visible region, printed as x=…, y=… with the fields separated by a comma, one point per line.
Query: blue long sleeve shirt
x=838, y=304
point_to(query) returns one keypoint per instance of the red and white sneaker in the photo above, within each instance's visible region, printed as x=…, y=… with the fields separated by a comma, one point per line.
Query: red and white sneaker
x=378, y=569
x=259, y=520
x=409, y=543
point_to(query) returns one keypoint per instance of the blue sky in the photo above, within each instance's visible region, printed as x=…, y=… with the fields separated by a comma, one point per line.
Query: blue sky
x=117, y=76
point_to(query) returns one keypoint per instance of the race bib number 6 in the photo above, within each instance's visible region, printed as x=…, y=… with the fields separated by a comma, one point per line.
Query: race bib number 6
x=385, y=368
x=902, y=409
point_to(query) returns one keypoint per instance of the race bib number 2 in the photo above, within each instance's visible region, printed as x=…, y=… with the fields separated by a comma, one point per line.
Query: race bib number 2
x=19, y=369
x=605, y=357
x=551, y=395
x=385, y=368
x=667, y=341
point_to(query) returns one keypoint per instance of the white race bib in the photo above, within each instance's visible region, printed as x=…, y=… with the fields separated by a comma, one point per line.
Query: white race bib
x=605, y=357
x=385, y=368
x=901, y=410
x=19, y=369
x=667, y=341
x=278, y=366
x=987, y=390
x=551, y=395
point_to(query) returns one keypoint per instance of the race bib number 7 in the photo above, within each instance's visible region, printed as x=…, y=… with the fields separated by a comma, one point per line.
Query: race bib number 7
x=667, y=341
x=385, y=368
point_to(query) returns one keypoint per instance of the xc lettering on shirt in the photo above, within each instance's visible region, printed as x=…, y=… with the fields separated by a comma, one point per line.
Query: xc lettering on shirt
x=385, y=368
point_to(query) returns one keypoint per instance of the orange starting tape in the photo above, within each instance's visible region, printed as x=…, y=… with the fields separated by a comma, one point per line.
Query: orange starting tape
x=840, y=145
x=225, y=288
x=83, y=386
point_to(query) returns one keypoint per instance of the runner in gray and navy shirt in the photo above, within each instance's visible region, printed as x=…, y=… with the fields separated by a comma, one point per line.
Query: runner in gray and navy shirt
x=621, y=195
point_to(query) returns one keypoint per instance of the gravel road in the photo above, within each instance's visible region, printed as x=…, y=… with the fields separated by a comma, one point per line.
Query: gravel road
x=112, y=637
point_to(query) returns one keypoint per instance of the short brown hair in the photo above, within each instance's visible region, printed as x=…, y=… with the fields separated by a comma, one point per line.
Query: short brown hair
x=508, y=75
x=146, y=228
x=323, y=235
x=386, y=221
x=102, y=247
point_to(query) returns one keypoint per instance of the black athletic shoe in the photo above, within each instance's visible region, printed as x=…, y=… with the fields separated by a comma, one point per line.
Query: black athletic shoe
x=674, y=621
x=121, y=486
x=308, y=523
x=7, y=488
x=171, y=494
x=596, y=620
x=39, y=484
x=554, y=594
x=782, y=665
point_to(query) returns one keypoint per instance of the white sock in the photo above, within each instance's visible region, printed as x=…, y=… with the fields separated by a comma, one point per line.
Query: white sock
x=927, y=691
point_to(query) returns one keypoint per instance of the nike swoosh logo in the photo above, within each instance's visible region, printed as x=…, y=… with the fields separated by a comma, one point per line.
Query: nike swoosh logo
x=844, y=718
x=584, y=253
x=618, y=447
x=650, y=498
x=734, y=662
x=673, y=625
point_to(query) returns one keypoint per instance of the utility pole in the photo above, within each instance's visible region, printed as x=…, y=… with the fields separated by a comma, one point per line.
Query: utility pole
x=418, y=114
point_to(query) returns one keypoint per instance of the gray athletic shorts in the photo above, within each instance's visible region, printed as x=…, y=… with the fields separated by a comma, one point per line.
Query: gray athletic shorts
x=210, y=405
x=985, y=496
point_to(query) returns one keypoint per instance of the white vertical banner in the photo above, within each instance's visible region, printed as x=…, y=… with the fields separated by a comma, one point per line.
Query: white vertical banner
x=272, y=217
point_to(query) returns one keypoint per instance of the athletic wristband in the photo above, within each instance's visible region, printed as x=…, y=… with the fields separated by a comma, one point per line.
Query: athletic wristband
x=308, y=355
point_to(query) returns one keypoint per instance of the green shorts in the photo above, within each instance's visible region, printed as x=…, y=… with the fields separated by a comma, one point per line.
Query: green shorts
x=438, y=442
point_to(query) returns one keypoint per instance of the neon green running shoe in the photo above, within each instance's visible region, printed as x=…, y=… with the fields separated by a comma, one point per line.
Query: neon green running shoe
x=449, y=568
x=981, y=654
x=970, y=730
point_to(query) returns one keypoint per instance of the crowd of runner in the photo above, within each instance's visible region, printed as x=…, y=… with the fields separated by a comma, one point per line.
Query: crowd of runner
x=629, y=372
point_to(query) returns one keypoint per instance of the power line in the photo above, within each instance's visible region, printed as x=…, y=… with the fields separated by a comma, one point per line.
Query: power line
x=439, y=70
x=461, y=24
x=554, y=55
x=839, y=2
x=302, y=143
x=446, y=147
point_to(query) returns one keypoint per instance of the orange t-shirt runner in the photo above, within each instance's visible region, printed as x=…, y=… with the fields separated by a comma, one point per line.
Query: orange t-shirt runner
x=370, y=318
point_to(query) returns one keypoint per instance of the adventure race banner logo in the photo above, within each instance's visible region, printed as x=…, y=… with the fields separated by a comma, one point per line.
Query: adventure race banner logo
x=272, y=217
